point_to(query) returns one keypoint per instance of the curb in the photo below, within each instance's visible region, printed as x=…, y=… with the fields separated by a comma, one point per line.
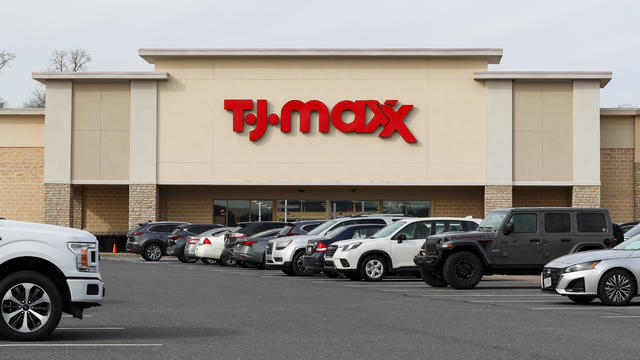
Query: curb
x=108, y=254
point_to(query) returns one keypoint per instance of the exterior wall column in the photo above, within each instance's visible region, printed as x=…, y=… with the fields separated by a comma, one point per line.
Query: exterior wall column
x=585, y=196
x=586, y=144
x=497, y=197
x=143, y=203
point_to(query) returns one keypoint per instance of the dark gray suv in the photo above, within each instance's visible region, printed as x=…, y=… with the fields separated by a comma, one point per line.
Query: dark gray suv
x=149, y=239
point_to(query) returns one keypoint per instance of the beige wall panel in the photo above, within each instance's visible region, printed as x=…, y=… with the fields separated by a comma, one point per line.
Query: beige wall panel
x=181, y=68
x=617, y=132
x=114, y=161
x=22, y=183
x=543, y=131
x=85, y=163
x=86, y=106
x=115, y=109
x=190, y=103
x=22, y=131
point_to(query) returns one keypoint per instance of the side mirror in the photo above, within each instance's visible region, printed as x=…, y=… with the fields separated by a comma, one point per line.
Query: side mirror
x=508, y=228
x=401, y=237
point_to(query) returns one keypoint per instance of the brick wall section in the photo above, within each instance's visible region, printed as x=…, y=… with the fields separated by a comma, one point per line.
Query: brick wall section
x=636, y=173
x=541, y=196
x=585, y=196
x=617, y=189
x=459, y=208
x=190, y=210
x=143, y=203
x=21, y=183
x=105, y=209
x=76, y=205
x=497, y=196
x=57, y=204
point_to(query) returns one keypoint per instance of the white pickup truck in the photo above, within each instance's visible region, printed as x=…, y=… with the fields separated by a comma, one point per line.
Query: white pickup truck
x=45, y=270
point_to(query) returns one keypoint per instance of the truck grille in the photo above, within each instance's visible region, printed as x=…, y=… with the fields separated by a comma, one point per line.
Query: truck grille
x=330, y=251
x=431, y=247
x=269, y=247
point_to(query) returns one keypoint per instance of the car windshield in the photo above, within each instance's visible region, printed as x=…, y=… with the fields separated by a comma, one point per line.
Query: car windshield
x=321, y=228
x=492, y=220
x=334, y=232
x=632, y=232
x=631, y=244
x=388, y=230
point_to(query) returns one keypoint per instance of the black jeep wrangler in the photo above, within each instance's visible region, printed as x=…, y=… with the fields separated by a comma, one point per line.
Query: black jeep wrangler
x=513, y=241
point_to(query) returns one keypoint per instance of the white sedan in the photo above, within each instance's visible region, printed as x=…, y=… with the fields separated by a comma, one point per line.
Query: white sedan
x=210, y=247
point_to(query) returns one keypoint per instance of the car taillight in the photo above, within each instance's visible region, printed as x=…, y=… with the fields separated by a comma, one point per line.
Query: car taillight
x=206, y=241
x=248, y=243
x=176, y=237
x=321, y=247
x=191, y=242
x=137, y=233
x=237, y=235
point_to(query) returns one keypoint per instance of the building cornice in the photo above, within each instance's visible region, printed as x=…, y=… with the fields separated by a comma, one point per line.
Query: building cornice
x=619, y=111
x=43, y=77
x=493, y=55
x=603, y=76
x=21, y=111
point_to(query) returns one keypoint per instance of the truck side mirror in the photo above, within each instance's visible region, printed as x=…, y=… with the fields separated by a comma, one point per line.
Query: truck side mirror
x=508, y=228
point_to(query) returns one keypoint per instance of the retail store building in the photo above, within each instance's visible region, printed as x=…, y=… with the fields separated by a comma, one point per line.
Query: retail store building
x=234, y=135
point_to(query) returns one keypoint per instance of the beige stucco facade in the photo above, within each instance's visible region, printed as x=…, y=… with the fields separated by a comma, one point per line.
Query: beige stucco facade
x=161, y=145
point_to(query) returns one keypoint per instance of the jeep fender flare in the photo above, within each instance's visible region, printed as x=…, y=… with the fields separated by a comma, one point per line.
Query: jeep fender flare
x=583, y=245
x=470, y=246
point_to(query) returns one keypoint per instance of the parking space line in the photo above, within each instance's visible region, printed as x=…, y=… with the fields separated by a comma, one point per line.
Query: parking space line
x=619, y=316
x=600, y=308
x=90, y=328
x=76, y=345
x=509, y=301
x=490, y=295
x=70, y=316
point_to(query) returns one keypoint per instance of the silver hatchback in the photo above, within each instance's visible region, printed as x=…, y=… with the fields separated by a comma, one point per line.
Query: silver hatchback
x=611, y=275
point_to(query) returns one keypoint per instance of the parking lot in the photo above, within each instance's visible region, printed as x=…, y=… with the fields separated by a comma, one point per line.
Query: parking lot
x=167, y=309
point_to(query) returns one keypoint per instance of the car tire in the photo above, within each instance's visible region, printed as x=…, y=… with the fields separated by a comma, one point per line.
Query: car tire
x=463, y=270
x=297, y=265
x=208, y=261
x=263, y=263
x=373, y=268
x=190, y=260
x=581, y=299
x=13, y=324
x=243, y=264
x=330, y=274
x=433, y=279
x=617, y=288
x=152, y=252
x=227, y=260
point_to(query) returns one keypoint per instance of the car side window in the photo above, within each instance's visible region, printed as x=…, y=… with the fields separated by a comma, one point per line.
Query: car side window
x=455, y=226
x=359, y=234
x=557, y=223
x=470, y=226
x=524, y=223
x=416, y=230
x=162, y=228
x=371, y=221
x=591, y=222
x=440, y=227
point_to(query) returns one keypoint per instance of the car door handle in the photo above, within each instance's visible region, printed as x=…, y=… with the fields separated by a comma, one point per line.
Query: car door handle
x=565, y=240
x=537, y=241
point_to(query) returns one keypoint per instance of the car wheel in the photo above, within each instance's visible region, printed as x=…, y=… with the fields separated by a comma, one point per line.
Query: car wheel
x=462, y=270
x=617, y=288
x=152, y=252
x=433, y=279
x=330, y=274
x=263, y=263
x=208, y=261
x=190, y=260
x=227, y=260
x=243, y=264
x=298, y=267
x=373, y=268
x=31, y=306
x=581, y=299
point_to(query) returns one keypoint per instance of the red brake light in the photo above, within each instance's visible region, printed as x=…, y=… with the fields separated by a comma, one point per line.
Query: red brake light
x=191, y=242
x=237, y=235
x=290, y=233
x=137, y=233
x=247, y=243
x=206, y=241
x=321, y=247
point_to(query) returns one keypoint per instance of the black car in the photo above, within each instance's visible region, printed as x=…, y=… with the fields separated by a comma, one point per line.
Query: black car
x=245, y=229
x=314, y=255
x=150, y=238
x=177, y=240
x=299, y=227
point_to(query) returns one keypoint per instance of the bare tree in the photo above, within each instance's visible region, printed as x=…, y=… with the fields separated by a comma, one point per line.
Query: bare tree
x=36, y=100
x=5, y=58
x=3, y=103
x=74, y=60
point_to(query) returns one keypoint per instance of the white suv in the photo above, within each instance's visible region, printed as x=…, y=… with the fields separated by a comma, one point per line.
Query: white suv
x=286, y=253
x=391, y=249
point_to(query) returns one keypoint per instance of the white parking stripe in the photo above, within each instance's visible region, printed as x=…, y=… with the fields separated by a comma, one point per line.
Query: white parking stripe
x=90, y=328
x=75, y=345
x=620, y=316
x=509, y=301
x=489, y=295
x=70, y=316
x=599, y=308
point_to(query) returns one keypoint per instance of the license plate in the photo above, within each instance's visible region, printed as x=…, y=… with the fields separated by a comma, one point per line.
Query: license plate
x=546, y=282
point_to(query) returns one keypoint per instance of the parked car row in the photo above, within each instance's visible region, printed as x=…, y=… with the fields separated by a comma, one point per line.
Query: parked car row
x=444, y=251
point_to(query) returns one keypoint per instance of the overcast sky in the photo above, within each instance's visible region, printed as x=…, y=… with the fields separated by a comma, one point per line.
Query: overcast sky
x=535, y=35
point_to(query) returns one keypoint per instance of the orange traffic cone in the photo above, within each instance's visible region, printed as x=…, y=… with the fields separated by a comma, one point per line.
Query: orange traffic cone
x=114, y=248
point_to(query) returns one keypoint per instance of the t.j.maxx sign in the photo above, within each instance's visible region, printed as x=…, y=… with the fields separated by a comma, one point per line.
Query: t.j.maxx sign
x=384, y=115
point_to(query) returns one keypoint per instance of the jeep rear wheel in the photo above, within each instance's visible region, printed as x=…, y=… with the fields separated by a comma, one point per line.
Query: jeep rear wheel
x=433, y=279
x=31, y=306
x=462, y=270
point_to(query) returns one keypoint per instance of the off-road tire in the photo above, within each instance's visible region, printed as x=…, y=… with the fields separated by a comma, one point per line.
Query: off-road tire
x=463, y=270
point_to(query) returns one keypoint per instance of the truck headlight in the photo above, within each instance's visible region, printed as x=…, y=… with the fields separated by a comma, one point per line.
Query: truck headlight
x=579, y=267
x=86, y=256
x=281, y=244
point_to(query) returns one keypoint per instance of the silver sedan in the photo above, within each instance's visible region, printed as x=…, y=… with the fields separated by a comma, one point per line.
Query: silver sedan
x=611, y=275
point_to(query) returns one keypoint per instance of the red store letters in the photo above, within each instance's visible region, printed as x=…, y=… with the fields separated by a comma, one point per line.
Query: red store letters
x=384, y=115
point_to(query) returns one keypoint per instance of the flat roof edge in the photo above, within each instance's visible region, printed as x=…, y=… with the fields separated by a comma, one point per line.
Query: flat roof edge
x=44, y=76
x=21, y=111
x=620, y=111
x=494, y=55
x=603, y=76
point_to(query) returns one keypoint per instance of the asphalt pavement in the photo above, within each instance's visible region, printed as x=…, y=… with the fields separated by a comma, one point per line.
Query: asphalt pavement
x=170, y=310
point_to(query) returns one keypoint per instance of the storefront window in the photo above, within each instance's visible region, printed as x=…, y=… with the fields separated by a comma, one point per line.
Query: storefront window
x=414, y=208
x=261, y=210
x=354, y=207
x=238, y=211
x=301, y=209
